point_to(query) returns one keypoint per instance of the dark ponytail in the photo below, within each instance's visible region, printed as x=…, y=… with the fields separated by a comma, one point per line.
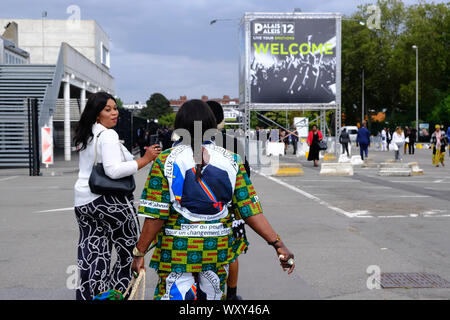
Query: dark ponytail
x=195, y=110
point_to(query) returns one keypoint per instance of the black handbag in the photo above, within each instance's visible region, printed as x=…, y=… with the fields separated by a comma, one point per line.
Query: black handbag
x=100, y=183
x=322, y=145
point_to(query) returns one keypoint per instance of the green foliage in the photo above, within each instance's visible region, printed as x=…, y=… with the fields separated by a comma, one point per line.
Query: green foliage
x=441, y=113
x=389, y=61
x=167, y=120
x=157, y=106
x=119, y=103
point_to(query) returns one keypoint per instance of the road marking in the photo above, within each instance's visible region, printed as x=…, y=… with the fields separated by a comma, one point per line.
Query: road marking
x=416, y=181
x=415, y=196
x=395, y=216
x=55, y=210
x=8, y=178
x=355, y=214
x=307, y=195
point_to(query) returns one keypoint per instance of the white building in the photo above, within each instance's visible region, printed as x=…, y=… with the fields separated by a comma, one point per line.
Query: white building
x=74, y=59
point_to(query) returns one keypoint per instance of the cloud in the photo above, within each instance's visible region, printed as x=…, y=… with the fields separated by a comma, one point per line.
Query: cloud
x=140, y=74
x=169, y=46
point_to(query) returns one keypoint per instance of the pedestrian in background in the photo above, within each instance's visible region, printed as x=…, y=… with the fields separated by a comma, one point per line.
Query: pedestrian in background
x=388, y=138
x=448, y=139
x=398, y=140
x=344, y=140
x=104, y=221
x=439, y=142
x=412, y=140
x=294, y=136
x=363, y=140
x=143, y=142
x=407, y=134
x=314, y=137
x=384, y=140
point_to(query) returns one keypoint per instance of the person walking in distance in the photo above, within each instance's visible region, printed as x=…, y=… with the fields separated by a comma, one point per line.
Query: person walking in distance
x=398, y=140
x=363, y=140
x=105, y=221
x=344, y=140
x=384, y=140
x=412, y=140
x=407, y=132
x=448, y=139
x=294, y=136
x=314, y=137
x=388, y=138
x=439, y=142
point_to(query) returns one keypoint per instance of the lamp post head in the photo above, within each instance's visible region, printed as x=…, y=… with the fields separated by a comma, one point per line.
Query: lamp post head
x=414, y=47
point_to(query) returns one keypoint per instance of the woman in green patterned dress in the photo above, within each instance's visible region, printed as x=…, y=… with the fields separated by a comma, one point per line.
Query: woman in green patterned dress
x=187, y=205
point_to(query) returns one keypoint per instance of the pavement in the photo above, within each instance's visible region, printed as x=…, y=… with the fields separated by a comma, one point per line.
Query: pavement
x=337, y=227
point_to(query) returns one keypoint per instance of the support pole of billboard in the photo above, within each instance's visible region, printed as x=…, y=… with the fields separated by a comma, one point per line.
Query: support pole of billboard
x=338, y=116
x=247, y=130
x=323, y=120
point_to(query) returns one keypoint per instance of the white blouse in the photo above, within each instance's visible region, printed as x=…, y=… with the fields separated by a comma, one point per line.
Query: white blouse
x=117, y=161
x=397, y=138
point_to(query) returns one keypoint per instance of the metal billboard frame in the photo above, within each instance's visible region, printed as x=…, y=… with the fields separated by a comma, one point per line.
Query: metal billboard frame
x=246, y=106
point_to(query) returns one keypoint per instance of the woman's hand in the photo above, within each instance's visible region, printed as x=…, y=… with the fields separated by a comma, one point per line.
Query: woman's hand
x=138, y=264
x=152, y=152
x=286, y=257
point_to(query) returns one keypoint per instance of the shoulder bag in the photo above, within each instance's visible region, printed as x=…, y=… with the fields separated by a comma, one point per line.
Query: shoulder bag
x=322, y=145
x=100, y=183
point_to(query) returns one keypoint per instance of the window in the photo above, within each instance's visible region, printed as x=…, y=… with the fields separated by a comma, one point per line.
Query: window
x=104, y=55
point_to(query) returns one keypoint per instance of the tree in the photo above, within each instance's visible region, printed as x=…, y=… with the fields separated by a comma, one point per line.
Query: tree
x=119, y=103
x=441, y=113
x=157, y=106
x=388, y=60
x=167, y=120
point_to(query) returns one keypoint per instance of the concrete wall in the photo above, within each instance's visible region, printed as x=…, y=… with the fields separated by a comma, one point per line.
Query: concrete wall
x=42, y=38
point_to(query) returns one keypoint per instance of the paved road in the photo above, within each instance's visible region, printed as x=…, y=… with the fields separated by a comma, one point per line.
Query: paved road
x=336, y=226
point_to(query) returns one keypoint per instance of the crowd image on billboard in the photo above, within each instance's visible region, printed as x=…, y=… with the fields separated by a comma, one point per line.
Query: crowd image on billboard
x=306, y=78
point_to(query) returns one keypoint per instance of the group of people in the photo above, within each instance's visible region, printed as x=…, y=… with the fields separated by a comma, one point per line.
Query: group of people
x=406, y=138
x=192, y=207
x=289, y=138
x=162, y=137
x=399, y=141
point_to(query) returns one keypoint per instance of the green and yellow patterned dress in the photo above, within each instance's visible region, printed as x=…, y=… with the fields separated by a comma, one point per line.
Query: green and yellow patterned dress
x=182, y=254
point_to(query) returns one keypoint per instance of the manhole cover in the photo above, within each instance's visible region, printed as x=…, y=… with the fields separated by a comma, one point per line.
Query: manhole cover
x=412, y=280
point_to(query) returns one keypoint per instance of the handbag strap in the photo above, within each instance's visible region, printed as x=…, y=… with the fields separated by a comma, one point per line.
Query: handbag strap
x=95, y=148
x=135, y=283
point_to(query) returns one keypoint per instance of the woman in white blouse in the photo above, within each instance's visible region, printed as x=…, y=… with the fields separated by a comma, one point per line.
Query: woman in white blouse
x=104, y=221
x=398, y=138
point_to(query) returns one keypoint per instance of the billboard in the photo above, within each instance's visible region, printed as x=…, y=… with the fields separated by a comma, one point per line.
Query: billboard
x=291, y=60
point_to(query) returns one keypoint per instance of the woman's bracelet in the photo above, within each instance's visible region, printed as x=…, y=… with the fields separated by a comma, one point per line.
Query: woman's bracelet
x=274, y=242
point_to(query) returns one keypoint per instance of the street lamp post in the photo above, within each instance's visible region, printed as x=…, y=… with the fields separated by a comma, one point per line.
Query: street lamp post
x=362, y=97
x=417, y=87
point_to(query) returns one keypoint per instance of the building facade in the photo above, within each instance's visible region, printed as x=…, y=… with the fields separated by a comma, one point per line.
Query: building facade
x=72, y=56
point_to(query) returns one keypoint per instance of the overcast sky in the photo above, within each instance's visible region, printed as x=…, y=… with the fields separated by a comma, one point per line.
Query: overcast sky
x=169, y=46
